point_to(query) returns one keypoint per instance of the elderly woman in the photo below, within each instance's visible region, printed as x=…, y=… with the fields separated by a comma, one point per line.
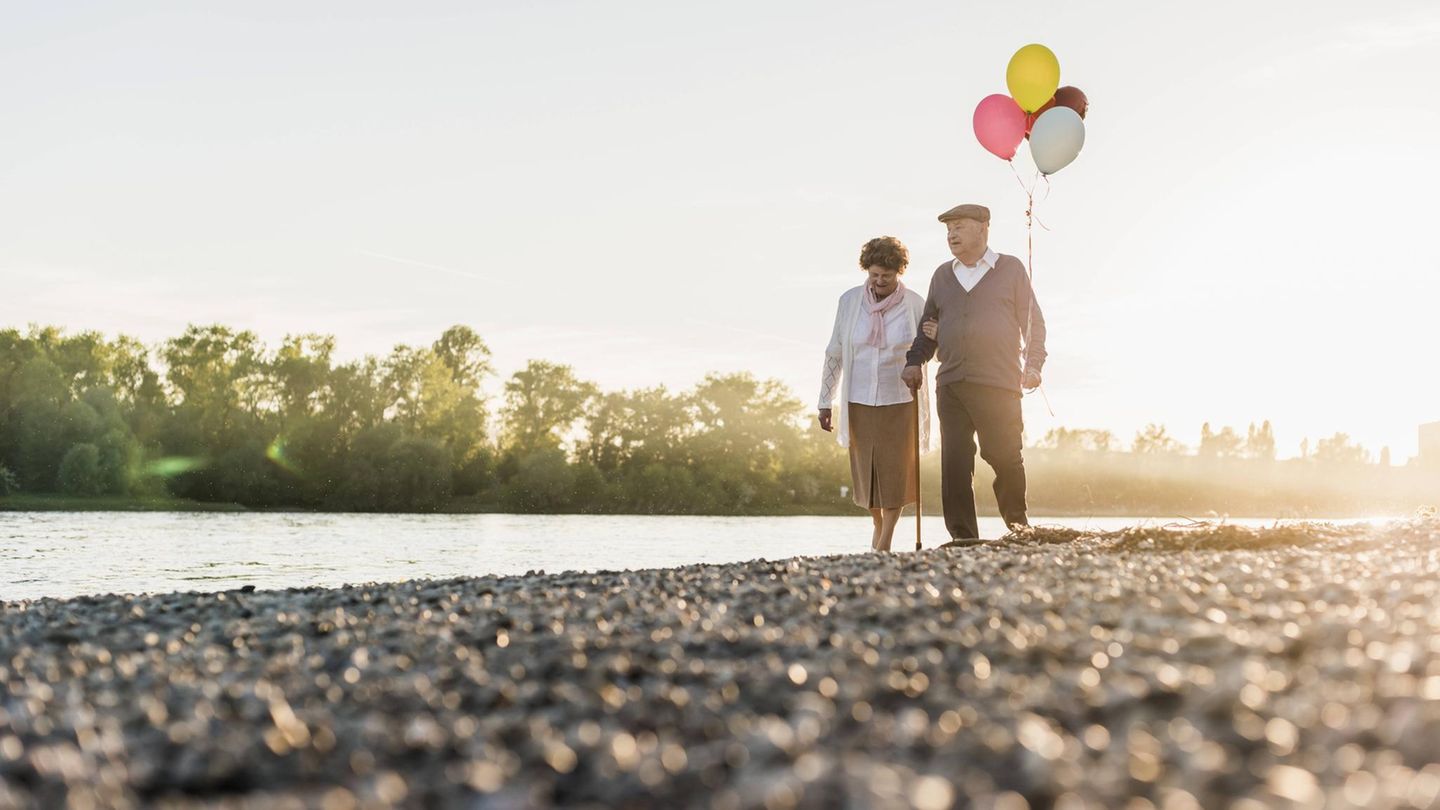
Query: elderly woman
x=876, y=416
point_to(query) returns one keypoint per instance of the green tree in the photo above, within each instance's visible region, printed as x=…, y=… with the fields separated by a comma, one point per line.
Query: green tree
x=359, y=398
x=119, y=460
x=606, y=444
x=543, y=481
x=746, y=432
x=131, y=376
x=84, y=359
x=463, y=422
x=80, y=422
x=80, y=472
x=742, y=417
x=300, y=375
x=14, y=352
x=361, y=483
x=639, y=427
x=418, y=475
x=465, y=355
x=436, y=396
x=543, y=401
x=246, y=475
x=40, y=393
x=141, y=395
x=665, y=489
x=405, y=373
x=220, y=379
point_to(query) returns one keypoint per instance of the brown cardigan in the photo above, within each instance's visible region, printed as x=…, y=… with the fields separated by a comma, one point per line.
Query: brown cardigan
x=981, y=331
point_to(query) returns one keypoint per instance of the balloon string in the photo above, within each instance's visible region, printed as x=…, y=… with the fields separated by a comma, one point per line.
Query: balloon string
x=1033, y=186
x=1017, y=176
x=1030, y=220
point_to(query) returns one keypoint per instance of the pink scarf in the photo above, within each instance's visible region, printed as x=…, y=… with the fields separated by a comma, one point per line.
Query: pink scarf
x=877, y=310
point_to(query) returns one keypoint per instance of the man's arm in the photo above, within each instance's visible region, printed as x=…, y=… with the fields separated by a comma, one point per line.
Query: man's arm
x=1032, y=326
x=923, y=348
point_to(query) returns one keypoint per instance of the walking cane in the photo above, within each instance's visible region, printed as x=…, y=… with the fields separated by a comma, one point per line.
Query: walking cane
x=916, y=397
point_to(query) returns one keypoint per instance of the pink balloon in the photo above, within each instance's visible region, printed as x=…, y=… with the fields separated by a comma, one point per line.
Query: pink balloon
x=999, y=125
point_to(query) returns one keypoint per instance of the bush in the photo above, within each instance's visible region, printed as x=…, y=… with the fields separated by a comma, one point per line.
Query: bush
x=244, y=475
x=119, y=461
x=80, y=423
x=543, y=481
x=661, y=489
x=417, y=472
x=80, y=472
x=361, y=485
x=476, y=475
x=9, y=484
x=592, y=492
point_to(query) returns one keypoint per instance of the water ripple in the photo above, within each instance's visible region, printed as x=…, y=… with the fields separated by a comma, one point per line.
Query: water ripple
x=59, y=554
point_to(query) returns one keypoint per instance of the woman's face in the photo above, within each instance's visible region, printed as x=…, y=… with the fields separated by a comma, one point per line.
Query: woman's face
x=882, y=280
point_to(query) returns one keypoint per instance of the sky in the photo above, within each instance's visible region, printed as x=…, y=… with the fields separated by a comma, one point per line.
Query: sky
x=652, y=191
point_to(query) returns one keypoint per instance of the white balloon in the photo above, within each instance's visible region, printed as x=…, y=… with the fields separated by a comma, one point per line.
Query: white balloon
x=1056, y=139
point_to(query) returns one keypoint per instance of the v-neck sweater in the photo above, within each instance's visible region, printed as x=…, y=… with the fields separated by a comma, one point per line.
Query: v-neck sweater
x=981, y=330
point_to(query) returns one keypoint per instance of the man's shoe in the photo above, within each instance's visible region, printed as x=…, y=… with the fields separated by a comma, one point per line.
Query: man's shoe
x=964, y=542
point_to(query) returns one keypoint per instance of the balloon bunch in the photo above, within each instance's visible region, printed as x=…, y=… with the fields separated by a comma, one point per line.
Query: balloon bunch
x=1051, y=117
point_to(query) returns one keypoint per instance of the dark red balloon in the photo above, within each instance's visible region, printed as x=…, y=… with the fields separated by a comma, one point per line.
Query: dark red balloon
x=1072, y=97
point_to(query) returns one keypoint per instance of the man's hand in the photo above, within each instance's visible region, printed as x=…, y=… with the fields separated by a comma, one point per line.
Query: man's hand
x=1032, y=380
x=825, y=423
x=930, y=328
x=912, y=376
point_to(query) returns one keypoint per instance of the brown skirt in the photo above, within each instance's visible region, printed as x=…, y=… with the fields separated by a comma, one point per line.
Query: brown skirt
x=882, y=455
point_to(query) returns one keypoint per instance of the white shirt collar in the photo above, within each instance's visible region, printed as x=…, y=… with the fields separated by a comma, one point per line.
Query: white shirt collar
x=987, y=261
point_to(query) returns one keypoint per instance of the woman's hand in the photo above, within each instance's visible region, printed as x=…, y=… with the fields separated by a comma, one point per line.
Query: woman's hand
x=930, y=327
x=825, y=423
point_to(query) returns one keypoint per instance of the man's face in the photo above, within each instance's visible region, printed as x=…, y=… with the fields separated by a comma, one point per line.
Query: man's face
x=967, y=236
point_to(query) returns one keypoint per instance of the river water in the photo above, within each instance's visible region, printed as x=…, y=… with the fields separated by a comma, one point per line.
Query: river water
x=63, y=554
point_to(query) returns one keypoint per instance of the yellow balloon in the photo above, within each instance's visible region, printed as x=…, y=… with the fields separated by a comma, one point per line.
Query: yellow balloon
x=1033, y=76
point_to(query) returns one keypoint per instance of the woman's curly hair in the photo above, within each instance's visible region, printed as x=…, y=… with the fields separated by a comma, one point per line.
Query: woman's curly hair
x=884, y=251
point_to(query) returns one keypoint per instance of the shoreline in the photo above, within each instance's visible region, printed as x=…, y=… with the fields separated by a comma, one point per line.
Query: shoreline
x=62, y=503
x=1195, y=667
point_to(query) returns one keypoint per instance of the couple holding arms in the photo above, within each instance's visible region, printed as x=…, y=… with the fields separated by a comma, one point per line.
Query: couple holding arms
x=979, y=314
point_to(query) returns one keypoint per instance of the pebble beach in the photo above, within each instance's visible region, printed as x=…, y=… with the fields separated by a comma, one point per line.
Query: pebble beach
x=1186, y=667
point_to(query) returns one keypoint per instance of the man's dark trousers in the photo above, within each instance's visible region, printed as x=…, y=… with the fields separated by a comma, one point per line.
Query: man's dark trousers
x=967, y=409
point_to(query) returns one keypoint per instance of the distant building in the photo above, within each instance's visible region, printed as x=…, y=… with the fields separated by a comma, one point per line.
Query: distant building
x=1430, y=445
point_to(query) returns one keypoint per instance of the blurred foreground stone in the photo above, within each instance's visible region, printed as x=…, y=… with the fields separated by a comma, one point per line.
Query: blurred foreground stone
x=1194, y=667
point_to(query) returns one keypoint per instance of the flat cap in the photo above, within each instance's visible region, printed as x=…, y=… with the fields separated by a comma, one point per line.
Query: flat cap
x=979, y=213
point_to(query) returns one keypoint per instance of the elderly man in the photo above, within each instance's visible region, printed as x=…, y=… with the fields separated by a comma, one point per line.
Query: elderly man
x=985, y=310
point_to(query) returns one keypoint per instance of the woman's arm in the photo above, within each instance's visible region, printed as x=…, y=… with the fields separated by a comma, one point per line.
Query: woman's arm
x=834, y=360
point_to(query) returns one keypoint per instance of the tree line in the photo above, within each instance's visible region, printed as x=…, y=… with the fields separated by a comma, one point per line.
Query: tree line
x=1257, y=444
x=214, y=415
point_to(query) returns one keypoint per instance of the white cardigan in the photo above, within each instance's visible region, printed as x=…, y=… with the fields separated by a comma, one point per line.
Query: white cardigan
x=840, y=359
